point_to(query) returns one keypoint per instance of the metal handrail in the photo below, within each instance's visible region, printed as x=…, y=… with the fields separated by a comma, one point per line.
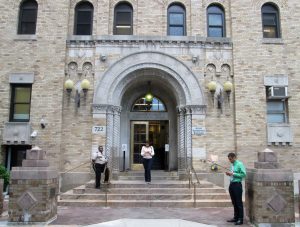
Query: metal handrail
x=60, y=175
x=191, y=172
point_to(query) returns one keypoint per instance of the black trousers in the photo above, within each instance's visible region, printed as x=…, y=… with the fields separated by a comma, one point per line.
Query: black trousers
x=147, y=166
x=236, y=192
x=98, y=168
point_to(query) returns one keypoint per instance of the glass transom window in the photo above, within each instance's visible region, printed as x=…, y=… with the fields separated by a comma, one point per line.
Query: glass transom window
x=156, y=105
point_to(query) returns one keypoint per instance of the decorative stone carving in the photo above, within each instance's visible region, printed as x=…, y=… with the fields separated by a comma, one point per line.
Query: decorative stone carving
x=225, y=71
x=16, y=133
x=210, y=71
x=26, y=201
x=277, y=203
x=87, y=68
x=279, y=134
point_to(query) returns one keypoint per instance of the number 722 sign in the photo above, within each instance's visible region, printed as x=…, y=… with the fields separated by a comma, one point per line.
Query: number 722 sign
x=99, y=129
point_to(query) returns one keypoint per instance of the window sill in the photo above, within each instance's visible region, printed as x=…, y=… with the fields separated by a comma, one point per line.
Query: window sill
x=25, y=38
x=278, y=41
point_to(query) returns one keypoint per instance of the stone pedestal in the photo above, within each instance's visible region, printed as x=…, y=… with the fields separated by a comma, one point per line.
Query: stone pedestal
x=269, y=192
x=33, y=190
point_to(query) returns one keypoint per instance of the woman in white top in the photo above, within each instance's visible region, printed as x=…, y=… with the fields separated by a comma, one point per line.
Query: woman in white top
x=147, y=152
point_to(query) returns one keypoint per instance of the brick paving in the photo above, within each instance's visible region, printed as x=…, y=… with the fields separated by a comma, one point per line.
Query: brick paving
x=92, y=215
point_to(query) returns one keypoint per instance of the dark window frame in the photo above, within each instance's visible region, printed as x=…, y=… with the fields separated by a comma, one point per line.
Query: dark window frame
x=84, y=6
x=177, y=9
x=27, y=7
x=271, y=9
x=123, y=7
x=13, y=103
x=284, y=112
x=216, y=10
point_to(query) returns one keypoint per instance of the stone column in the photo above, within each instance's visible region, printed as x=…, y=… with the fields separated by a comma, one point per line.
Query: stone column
x=116, y=143
x=181, y=144
x=109, y=135
x=269, y=192
x=188, y=136
x=33, y=190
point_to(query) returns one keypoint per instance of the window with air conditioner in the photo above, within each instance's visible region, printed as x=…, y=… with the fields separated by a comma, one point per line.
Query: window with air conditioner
x=277, y=105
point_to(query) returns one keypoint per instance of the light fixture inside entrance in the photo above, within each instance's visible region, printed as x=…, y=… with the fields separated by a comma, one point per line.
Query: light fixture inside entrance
x=149, y=95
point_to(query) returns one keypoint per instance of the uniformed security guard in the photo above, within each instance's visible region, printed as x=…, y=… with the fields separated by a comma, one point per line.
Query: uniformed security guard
x=98, y=161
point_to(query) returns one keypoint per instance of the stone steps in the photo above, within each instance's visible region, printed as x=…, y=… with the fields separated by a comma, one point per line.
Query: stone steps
x=146, y=203
x=81, y=190
x=145, y=196
x=130, y=190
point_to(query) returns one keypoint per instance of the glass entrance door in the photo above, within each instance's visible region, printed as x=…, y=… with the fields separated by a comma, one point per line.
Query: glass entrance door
x=157, y=133
x=139, y=134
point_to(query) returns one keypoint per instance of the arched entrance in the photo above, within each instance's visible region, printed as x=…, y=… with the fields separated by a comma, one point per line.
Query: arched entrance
x=125, y=82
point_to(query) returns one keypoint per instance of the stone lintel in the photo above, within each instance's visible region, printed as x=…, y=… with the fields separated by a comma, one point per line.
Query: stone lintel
x=269, y=175
x=35, y=163
x=33, y=174
x=266, y=165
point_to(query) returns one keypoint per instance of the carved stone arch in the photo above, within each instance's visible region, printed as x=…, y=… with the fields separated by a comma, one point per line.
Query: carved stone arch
x=280, y=4
x=76, y=2
x=177, y=74
x=72, y=68
x=219, y=3
x=211, y=70
x=87, y=68
x=225, y=71
x=132, y=3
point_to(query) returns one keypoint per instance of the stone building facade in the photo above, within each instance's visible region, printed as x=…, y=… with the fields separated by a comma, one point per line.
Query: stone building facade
x=195, y=123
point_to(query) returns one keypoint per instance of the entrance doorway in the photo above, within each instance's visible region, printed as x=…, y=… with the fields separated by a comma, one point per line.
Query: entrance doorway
x=157, y=132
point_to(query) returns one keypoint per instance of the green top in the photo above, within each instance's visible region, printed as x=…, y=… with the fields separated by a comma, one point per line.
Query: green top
x=239, y=171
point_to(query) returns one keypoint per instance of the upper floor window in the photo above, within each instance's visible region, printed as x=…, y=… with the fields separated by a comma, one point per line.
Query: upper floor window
x=277, y=104
x=20, y=102
x=215, y=21
x=270, y=21
x=176, y=20
x=28, y=17
x=155, y=105
x=83, y=19
x=123, y=19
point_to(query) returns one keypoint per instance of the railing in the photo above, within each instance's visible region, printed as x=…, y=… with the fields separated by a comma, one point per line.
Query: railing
x=60, y=176
x=192, y=172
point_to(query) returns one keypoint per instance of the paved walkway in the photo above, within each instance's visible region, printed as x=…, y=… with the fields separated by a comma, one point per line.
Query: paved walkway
x=81, y=216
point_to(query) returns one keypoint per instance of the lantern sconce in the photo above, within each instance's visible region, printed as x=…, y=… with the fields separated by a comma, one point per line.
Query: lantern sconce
x=228, y=89
x=212, y=86
x=84, y=87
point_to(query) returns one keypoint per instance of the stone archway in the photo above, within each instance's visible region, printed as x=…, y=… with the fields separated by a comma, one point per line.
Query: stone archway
x=177, y=78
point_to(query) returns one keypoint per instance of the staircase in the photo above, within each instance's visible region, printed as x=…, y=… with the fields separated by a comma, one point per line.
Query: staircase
x=130, y=190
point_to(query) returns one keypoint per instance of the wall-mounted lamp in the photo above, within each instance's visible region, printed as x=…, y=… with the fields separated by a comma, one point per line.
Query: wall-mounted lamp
x=84, y=86
x=212, y=86
x=228, y=88
x=194, y=59
x=43, y=123
x=103, y=57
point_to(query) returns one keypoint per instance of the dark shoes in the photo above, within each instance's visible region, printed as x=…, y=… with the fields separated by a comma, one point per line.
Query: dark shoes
x=97, y=187
x=235, y=221
x=239, y=222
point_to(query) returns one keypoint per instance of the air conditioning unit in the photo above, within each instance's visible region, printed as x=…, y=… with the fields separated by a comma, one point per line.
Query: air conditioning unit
x=277, y=92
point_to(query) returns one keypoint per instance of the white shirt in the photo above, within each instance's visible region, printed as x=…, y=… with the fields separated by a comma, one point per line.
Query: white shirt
x=99, y=157
x=147, y=152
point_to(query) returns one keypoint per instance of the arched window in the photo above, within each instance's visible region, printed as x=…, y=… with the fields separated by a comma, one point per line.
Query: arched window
x=270, y=21
x=123, y=19
x=83, y=19
x=142, y=105
x=27, y=17
x=176, y=20
x=215, y=21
